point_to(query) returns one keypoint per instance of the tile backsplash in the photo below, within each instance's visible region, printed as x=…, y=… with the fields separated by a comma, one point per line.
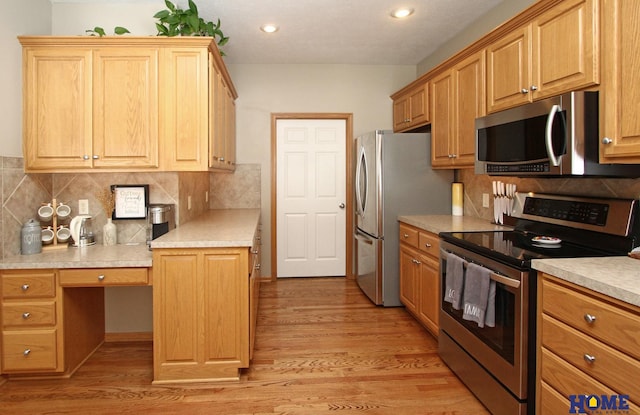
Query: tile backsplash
x=23, y=194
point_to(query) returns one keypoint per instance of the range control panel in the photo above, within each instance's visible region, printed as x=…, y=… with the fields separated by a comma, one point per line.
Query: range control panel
x=569, y=210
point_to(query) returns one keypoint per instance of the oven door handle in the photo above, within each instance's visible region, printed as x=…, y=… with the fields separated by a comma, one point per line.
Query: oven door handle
x=509, y=282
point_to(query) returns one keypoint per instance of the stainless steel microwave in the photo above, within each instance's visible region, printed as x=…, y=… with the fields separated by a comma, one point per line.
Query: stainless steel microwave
x=552, y=137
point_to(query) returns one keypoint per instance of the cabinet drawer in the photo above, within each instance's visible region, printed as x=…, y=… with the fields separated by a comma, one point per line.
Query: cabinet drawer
x=103, y=277
x=560, y=379
x=613, y=325
x=409, y=235
x=29, y=314
x=611, y=367
x=429, y=243
x=29, y=350
x=28, y=285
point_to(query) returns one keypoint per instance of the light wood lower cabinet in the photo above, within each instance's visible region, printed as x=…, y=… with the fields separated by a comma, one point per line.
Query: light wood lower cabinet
x=201, y=323
x=420, y=275
x=587, y=346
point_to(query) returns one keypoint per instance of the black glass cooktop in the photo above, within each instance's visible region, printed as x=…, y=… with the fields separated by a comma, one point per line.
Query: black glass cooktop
x=518, y=247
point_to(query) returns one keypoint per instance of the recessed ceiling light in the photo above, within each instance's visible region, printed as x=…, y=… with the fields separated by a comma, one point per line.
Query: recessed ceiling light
x=401, y=13
x=269, y=28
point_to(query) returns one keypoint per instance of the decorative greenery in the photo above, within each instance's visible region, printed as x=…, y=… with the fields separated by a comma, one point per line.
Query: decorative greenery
x=118, y=30
x=178, y=22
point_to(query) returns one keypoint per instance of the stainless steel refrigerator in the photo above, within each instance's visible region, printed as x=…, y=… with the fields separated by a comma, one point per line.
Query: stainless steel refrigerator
x=393, y=178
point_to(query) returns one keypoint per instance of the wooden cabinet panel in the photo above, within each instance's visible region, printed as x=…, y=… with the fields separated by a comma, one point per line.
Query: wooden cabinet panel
x=620, y=91
x=411, y=109
x=103, y=277
x=28, y=284
x=29, y=314
x=201, y=314
x=409, y=235
x=408, y=278
x=442, y=116
x=125, y=107
x=429, y=289
x=429, y=243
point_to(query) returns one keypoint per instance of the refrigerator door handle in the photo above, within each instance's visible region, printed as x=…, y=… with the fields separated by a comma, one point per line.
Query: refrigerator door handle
x=363, y=238
x=362, y=164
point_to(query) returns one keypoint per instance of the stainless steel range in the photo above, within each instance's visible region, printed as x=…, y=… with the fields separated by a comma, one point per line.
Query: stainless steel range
x=496, y=359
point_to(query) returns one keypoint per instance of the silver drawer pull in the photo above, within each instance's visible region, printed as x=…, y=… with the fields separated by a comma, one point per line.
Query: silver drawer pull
x=589, y=318
x=25, y=287
x=589, y=358
x=26, y=315
x=427, y=245
x=406, y=235
x=257, y=266
x=26, y=352
x=255, y=251
x=100, y=277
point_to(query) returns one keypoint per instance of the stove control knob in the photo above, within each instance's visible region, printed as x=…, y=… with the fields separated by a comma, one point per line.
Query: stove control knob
x=589, y=318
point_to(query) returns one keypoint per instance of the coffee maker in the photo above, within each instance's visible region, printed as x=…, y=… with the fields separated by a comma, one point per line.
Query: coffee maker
x=161, y=218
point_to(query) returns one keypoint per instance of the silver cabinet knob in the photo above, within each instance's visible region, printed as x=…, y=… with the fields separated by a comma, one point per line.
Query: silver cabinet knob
x=25, y=287
x=255, y=251
x=341, y=205
x=26, y=315
x=258, y=266
x=589, y=318
x=589, y=358
x=534, y=88
x=221, y=159
x=100, y=277
x=85, y=157
x=524, y=91
x=26, y=352
x=406, y=235
x=607, y=140
x=427, y=245
x=95, y=157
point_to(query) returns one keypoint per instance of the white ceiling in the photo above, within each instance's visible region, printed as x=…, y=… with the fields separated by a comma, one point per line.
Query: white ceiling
x=337, y=31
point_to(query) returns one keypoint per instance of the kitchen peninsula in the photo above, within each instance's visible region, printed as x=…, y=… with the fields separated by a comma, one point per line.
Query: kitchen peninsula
x=202, y=273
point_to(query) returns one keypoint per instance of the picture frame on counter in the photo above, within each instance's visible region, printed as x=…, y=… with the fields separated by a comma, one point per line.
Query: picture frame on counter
x=130, y=201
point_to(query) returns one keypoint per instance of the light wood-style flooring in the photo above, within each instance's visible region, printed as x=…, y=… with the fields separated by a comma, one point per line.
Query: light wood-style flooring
x=321, y=348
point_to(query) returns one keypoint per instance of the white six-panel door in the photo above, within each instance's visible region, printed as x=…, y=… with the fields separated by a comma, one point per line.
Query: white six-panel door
x=311, y=214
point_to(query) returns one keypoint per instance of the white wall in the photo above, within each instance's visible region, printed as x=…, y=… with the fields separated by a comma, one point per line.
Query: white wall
x=32, y=17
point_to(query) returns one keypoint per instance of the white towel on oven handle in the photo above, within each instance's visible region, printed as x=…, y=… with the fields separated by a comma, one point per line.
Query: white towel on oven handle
x=454, y=279
x=477, y=283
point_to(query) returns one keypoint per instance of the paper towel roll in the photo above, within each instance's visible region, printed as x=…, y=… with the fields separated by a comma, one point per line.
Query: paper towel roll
x=457, y=199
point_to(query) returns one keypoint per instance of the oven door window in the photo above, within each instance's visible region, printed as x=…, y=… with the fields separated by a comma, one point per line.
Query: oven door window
x=502, y=337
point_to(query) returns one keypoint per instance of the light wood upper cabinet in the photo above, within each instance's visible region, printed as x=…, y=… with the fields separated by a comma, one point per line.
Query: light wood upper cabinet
x=411, y=109
x=458, y=98
x=620, y=91
x=223, y=129
x=557, y=52
x=125, y=103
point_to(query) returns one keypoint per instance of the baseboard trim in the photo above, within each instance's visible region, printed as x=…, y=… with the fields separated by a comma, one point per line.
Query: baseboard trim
x=128, y=337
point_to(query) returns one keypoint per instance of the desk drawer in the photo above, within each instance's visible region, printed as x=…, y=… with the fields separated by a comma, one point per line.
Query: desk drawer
x=103, y=277
x=29, y=314
x=28, y=285
x=29, y=350
x=430, y=244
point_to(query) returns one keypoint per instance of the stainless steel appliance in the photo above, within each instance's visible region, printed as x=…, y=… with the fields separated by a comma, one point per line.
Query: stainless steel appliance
x=393, y=177
x=498, y=363
x=161, y=219
x=552, y=137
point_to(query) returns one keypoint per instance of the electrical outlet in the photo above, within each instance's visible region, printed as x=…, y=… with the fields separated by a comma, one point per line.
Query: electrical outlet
x=485, y=200
x=189, y=202
x=83, y=207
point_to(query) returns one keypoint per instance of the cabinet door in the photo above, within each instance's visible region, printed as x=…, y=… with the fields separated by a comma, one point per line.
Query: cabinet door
x=400, y=113
x=125, y=107
x=57, y=108
x=230, y=130
x=469, y=89
x=565, y=48
x=508, y=70
x=620, y=92
x=419, y=105
x=185, y=103
x=408, y=278
x=442, y=119
x=429, y=289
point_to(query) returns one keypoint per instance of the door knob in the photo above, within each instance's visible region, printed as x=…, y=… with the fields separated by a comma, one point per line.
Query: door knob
x=341, y=205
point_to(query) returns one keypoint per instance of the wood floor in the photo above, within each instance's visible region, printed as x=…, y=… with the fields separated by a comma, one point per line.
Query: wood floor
x=321, y=348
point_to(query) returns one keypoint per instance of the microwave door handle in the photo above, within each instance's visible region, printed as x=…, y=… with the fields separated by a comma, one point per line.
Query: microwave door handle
x=547, y=137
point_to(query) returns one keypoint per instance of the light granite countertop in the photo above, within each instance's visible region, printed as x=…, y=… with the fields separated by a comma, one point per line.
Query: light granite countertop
x=617, y=277
x=214, y=228
x=450, y=223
